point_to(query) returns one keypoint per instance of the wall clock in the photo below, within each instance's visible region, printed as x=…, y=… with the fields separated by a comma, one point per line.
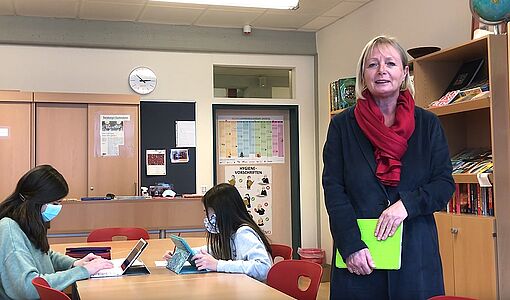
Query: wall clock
x=142, y=80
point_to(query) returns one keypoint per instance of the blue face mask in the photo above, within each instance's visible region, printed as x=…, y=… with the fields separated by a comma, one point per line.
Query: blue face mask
x=51, y=211
x=210, y=224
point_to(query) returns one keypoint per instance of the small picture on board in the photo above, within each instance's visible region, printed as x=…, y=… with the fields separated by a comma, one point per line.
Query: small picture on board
x=179, y=156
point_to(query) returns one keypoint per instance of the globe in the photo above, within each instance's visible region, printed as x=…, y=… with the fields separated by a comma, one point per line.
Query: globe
x=492, y=12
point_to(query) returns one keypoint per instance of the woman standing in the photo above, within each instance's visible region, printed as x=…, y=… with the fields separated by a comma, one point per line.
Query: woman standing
x=386, y=159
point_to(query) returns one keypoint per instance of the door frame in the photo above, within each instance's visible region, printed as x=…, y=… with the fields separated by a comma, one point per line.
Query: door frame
x=295, y=201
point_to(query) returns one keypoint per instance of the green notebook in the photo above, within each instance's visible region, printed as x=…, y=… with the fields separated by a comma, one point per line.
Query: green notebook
x=386, y=254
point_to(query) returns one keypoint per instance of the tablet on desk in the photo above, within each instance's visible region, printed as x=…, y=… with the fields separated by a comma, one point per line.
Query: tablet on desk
x=181, y=262
x=122, y=266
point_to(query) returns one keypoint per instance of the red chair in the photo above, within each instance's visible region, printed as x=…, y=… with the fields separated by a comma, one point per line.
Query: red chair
x=46, y=292
x=284, y=276
x=450, y=298
x=107, y=234
x=283, y=251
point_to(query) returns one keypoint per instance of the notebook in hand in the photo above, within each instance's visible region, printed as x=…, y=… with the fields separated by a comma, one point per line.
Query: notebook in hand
x=126, y=266
x=181, y=262
x=386, y=254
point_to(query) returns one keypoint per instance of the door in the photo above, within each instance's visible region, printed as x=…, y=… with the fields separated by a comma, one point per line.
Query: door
x=61, y=141
x=113, y=160
x=15, y=138
x=240, y=140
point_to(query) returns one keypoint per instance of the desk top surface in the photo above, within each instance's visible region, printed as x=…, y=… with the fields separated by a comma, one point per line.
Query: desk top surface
x=163, y=283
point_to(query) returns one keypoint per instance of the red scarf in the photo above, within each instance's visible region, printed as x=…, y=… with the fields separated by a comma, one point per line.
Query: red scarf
x=390, y=142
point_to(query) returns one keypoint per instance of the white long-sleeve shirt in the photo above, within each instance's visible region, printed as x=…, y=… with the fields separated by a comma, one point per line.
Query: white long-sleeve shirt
x=250, y=255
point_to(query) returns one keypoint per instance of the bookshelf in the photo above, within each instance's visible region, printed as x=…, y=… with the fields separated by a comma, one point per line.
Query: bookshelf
x=474, y=264
x=341, y=95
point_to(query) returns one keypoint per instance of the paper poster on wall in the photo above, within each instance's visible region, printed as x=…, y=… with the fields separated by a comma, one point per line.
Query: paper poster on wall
x=156, y=162
x=185, y=133
x=179, y=156
x=251, y=140
x=254, y=184
x=112, y=133
x=4, y=132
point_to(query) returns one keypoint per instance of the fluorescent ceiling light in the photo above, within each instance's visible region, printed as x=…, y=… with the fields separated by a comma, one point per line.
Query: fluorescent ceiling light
x=276, y=4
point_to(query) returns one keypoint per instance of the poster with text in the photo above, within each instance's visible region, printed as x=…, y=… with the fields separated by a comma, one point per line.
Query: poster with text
x=156, y=162
x=251, y=140
x=254, y=184
x=112, y=133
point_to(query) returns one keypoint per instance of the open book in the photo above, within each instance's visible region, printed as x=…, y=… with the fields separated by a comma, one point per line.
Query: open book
x=386, y=254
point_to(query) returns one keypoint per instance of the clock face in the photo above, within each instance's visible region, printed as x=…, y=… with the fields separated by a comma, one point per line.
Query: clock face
x=142, y=80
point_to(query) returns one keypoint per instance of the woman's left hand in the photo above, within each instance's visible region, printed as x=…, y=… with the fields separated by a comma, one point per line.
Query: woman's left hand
x=390, y=219
x=85, y=260
x=204, y=260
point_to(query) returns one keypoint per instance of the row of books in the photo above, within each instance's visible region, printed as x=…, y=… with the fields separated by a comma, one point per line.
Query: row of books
x=342, y=93
x=470, y=198
x=469, y=83
x=473, y=161
x=475, y=91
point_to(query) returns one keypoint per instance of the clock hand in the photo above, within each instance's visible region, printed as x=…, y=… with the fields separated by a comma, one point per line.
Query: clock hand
x=141, y=80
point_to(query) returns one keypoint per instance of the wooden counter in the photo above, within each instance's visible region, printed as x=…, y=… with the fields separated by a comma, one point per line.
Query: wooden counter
x=78, y=218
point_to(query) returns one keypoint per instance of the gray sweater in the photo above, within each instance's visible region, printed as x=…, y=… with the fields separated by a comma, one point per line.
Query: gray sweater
x=20, y=262
x=251, y=256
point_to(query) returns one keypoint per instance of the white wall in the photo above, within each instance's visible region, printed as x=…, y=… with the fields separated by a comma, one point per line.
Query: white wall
x=413, y=22
x=181, y=77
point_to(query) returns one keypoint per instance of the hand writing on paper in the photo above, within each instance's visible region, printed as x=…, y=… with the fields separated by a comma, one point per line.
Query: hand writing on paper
x=360, y=262
x=389, y=220
x=204, y=260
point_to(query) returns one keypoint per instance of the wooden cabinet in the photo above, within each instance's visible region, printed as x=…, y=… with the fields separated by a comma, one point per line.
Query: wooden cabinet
x=78, y=218
x=468, y=252
x=15, y=138
x=474, y=264
x=71, y=135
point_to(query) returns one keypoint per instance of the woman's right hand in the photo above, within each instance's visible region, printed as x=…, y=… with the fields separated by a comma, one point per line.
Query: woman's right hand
x=360, y=262
x=97, y=264
x=168, y=255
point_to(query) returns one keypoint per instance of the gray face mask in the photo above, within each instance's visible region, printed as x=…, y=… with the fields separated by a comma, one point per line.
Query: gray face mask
x=210, y=224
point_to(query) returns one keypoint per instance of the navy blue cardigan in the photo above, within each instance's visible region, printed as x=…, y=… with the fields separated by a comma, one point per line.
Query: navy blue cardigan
x=352, y=191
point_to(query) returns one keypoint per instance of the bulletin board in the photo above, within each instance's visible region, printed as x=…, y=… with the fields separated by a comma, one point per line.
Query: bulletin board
x=158, y=131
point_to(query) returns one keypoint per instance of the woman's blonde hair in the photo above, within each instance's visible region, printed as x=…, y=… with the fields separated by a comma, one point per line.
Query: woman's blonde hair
x=360, y=69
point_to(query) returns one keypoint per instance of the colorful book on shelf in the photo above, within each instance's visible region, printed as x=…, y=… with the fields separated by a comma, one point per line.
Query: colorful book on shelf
x=446, y=99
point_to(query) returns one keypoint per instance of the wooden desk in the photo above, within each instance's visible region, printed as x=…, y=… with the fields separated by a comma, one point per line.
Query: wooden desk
x=163, y=283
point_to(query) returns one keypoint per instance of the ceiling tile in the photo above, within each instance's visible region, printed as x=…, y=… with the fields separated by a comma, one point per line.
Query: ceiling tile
x=6, y=7
x=110, y=11
x=170, y=15
x=118, y=1
x=227, y=18
x=318, y=23
x=310, y=16
x=47, y=8
x=282, y=20
x=317, y=6
x=343, y=9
